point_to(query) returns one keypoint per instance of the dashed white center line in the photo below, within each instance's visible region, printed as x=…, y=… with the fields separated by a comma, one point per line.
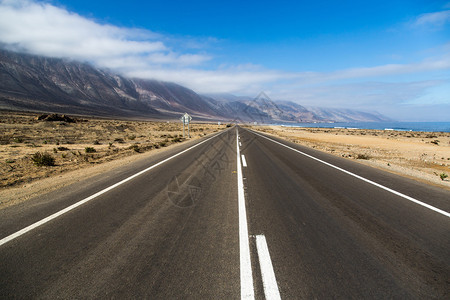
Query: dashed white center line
x=244, y=162
x=247, y=291
x=268, y=275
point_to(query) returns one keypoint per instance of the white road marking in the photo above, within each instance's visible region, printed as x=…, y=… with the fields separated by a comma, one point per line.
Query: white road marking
x=71, y=207
x=268, y=275
x=240, y=145
x=244, y=162
x=442, y=212
x=247, y=291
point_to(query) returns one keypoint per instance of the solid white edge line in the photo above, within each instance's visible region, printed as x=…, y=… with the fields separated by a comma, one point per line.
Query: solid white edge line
x=442, y=212
x=71, y=207
x=247, y=291
x=268, y=275
x=244, y=162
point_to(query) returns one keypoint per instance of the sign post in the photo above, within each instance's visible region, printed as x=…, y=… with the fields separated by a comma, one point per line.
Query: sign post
x=186, y=120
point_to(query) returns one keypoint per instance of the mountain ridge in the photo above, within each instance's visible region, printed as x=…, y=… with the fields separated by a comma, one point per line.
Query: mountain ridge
x=43, y=84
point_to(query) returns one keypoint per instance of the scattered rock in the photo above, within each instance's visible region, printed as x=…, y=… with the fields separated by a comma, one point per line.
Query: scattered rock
x=56, y=117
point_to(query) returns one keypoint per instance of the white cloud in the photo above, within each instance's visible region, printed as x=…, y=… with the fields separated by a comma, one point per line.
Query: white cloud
x=441, y=63
x=365, y=94
x=44, y=29
x=435, y=19
x=238, y=79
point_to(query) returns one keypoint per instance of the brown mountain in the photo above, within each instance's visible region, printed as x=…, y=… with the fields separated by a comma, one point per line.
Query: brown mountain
x=36, y=83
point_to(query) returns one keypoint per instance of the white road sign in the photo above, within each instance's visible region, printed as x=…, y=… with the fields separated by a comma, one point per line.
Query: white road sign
x=186, y=119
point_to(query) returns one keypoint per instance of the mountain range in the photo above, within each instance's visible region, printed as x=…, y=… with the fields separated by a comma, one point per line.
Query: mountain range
x=43, y=84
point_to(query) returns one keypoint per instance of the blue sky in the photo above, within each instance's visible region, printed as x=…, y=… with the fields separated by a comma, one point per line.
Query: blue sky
x=387, y=56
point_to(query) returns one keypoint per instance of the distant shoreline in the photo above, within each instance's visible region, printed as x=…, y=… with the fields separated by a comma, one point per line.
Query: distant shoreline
x=390, y=126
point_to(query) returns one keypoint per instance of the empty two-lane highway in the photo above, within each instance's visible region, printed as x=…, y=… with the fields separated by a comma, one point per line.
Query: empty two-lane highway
x=236, y=215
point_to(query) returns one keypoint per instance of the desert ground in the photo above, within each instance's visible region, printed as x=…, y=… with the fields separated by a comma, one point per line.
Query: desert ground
x=78, y=147
x=423, y=156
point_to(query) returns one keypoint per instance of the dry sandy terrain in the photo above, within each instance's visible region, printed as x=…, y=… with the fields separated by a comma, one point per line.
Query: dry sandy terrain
x=422, y=156
x=83, y=148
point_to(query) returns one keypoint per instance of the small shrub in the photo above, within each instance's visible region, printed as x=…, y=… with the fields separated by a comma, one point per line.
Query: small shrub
x=135, y=148
x=43, y=159
x=119, y=140
x=96, y=142
x=63, y=148
x=443, y=176
x=90, y=150
x=10, y=161
x=177, y=140
x=362, y=156
x=132, y=137
x=436, y=142
x=162, y=144
x=146, y=147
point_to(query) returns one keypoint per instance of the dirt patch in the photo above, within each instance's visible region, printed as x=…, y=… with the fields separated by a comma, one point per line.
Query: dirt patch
x=423, y=156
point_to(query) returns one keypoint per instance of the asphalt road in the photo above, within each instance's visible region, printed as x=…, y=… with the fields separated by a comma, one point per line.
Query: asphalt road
x=205, y=225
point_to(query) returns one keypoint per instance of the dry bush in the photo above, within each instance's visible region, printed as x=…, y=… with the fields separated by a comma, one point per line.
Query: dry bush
x=43, y=159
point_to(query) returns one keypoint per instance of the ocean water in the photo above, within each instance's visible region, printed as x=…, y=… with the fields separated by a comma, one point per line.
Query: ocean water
x=400, y=126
